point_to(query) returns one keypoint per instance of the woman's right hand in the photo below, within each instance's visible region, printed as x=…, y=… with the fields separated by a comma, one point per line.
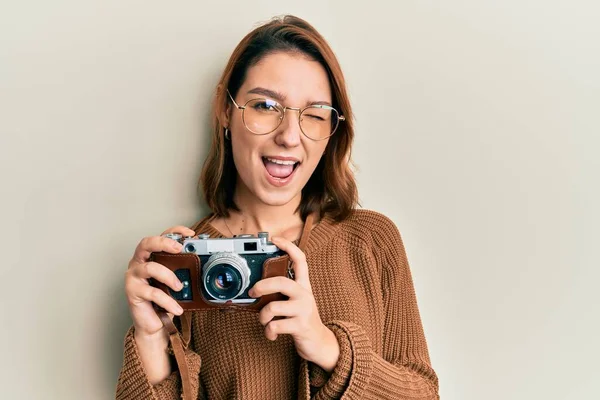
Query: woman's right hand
x=140, y=295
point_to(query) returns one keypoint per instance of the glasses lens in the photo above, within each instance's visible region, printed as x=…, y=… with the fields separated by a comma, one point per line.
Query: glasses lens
x=262, y=115
x=319, y=122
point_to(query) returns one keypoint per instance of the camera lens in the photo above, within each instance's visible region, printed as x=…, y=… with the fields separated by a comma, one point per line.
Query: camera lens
x=225, y=276
x=223, y=282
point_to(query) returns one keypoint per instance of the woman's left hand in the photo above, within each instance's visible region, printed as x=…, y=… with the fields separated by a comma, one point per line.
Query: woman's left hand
x=313, y=340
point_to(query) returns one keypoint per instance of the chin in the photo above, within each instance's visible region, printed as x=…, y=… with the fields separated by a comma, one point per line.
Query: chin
x=276, y=199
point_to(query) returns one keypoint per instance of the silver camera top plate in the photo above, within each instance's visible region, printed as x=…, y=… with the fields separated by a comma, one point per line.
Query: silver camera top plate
x=242, y=244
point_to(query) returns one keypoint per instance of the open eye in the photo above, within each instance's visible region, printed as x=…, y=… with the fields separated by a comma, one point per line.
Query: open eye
x=264, y=105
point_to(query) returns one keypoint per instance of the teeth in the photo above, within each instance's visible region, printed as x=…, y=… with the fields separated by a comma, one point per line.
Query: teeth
x=281, y=161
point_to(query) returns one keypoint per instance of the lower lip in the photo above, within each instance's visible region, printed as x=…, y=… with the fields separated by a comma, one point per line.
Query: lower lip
x=277, y=181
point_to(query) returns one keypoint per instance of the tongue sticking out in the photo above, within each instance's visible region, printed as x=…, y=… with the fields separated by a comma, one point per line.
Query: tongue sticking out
x=278, y=170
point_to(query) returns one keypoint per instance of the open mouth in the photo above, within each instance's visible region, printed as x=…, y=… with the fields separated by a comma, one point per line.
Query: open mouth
x=280, y=169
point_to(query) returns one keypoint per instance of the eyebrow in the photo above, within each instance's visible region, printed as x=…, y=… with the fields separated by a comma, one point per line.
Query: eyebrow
x=280, y=97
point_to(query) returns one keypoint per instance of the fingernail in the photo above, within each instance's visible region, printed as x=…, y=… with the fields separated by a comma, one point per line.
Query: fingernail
x=251, y=293
x=179, y=285
x=177, y=246
x=179, y=310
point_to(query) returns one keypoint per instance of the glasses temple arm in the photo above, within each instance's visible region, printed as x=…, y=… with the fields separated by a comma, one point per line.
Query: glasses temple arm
x=234, y=102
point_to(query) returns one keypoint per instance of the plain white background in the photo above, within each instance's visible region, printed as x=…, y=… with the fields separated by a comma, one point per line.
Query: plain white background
x=477, y=131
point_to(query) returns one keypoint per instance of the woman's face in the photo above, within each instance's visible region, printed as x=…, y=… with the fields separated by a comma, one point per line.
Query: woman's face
x=292, y=80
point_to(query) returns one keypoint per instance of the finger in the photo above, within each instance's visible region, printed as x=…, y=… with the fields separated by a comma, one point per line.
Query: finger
x=153, y=244
x=298, y=260
x=278, y=309
x=182, y=230
x=160, y=273
x=277, y=284
x=161, y=299
x=281, y=326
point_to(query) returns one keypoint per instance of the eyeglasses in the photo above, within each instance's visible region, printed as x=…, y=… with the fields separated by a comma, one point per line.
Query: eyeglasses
x=262, y=116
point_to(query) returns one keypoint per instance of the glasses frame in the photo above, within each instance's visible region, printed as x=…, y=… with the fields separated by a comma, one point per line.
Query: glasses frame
x=285, y=108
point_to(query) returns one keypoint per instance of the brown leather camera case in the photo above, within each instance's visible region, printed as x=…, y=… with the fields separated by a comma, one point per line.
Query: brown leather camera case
x=275, y=266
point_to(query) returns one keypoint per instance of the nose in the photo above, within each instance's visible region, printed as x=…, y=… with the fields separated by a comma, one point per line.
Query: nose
x=289, y=132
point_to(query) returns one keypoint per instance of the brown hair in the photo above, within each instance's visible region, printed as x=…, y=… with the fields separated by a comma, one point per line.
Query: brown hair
x=331, y=189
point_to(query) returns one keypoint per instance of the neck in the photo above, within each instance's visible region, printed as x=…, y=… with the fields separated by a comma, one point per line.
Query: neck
x=256, y=216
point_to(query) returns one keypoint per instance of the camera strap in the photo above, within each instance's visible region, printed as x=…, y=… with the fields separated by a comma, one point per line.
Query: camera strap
x=306, y=232
x=180, y=342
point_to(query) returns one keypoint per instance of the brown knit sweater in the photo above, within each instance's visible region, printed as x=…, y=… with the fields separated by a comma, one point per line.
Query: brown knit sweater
x=363, y=288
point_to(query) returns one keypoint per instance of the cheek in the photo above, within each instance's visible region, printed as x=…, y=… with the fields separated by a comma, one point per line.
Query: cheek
x=241, y=155
x=315, y=156
x=244, y=153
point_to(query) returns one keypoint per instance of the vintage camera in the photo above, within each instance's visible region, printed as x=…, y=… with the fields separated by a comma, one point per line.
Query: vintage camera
x=228, y=267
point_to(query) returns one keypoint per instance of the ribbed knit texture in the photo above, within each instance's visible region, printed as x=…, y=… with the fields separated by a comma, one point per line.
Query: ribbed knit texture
x=363, y=287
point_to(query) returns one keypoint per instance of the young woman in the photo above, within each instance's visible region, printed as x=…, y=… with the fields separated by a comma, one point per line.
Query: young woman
x=350, y=327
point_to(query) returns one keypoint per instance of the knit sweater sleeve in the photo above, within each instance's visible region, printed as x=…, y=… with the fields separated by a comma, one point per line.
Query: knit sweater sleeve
x=403, y=370
x=133, y=382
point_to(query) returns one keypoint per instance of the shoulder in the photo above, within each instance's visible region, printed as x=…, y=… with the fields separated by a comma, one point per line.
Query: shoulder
x=203, y=223
x=375, y=234
x=372, y=227
x=369, y=218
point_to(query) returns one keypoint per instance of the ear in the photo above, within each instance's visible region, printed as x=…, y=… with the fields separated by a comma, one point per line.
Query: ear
x=223, y=116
